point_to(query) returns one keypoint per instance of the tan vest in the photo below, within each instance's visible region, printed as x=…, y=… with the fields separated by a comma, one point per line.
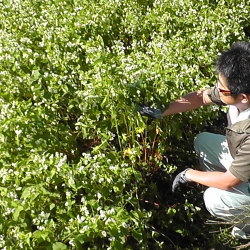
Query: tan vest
x=237, y=134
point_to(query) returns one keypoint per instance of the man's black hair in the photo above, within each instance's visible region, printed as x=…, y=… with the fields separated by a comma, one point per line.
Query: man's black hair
x=234, y=64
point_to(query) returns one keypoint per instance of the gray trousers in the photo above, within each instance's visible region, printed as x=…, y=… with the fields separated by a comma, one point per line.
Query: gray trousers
x=231, y=205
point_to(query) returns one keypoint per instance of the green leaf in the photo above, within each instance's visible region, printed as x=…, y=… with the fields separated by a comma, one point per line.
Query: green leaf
x=40, y=234
x=27, y=192
x=137, y=235
x=59, y=246
x=52, y=206
x=81, y=238
x=138, y=175
x=17, y=212
x=35, y=74
x=179, y=231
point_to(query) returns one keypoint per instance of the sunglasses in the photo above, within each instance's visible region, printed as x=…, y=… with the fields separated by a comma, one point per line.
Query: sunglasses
x=224, y=91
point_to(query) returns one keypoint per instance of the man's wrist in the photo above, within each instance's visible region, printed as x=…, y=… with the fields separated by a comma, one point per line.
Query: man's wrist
x=188, y=174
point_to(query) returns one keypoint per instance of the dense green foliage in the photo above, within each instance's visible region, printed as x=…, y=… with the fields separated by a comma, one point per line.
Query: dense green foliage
x=79, y=167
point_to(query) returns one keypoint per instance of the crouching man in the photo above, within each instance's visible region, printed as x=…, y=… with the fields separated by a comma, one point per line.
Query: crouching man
x=225, y=159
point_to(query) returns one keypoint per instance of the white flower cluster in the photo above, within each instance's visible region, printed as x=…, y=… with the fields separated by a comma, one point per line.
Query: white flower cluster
x=2, y=242
x=41, y=220
x=8, y=210
x=84, y=210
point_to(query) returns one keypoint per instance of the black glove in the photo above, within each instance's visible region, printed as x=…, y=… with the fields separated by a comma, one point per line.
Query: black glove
x=180, y=179
x=150, y=112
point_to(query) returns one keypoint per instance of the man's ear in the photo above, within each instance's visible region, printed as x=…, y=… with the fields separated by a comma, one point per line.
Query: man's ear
x=245, y=98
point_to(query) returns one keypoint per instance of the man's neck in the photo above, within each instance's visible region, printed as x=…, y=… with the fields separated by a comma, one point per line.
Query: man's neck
x=242, y=107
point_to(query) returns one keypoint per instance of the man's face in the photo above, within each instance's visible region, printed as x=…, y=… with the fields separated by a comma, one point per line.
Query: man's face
x=225, y=93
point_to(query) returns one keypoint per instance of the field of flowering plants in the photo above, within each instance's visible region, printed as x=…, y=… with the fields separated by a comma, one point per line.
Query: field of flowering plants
x=79, y=167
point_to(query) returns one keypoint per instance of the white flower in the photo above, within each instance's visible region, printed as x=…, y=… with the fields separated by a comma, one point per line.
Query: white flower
x=124, y=224
x=18, y=132
x=111, y=238
x=111, y=211
x=85, y=228
x=80, y=219
x=101, y=180
x=71, y=242
x=112, y=168
x=40, y=227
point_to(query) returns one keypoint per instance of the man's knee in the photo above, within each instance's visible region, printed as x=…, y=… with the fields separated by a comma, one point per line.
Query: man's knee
x=227, y=205
x=214, y=203
x=199, y=141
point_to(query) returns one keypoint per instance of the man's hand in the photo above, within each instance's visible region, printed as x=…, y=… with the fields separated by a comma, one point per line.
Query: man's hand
x=180, y=179
x=150, y=112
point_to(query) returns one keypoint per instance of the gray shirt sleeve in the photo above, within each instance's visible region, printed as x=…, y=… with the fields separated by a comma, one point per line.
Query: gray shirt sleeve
x=214, y=95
